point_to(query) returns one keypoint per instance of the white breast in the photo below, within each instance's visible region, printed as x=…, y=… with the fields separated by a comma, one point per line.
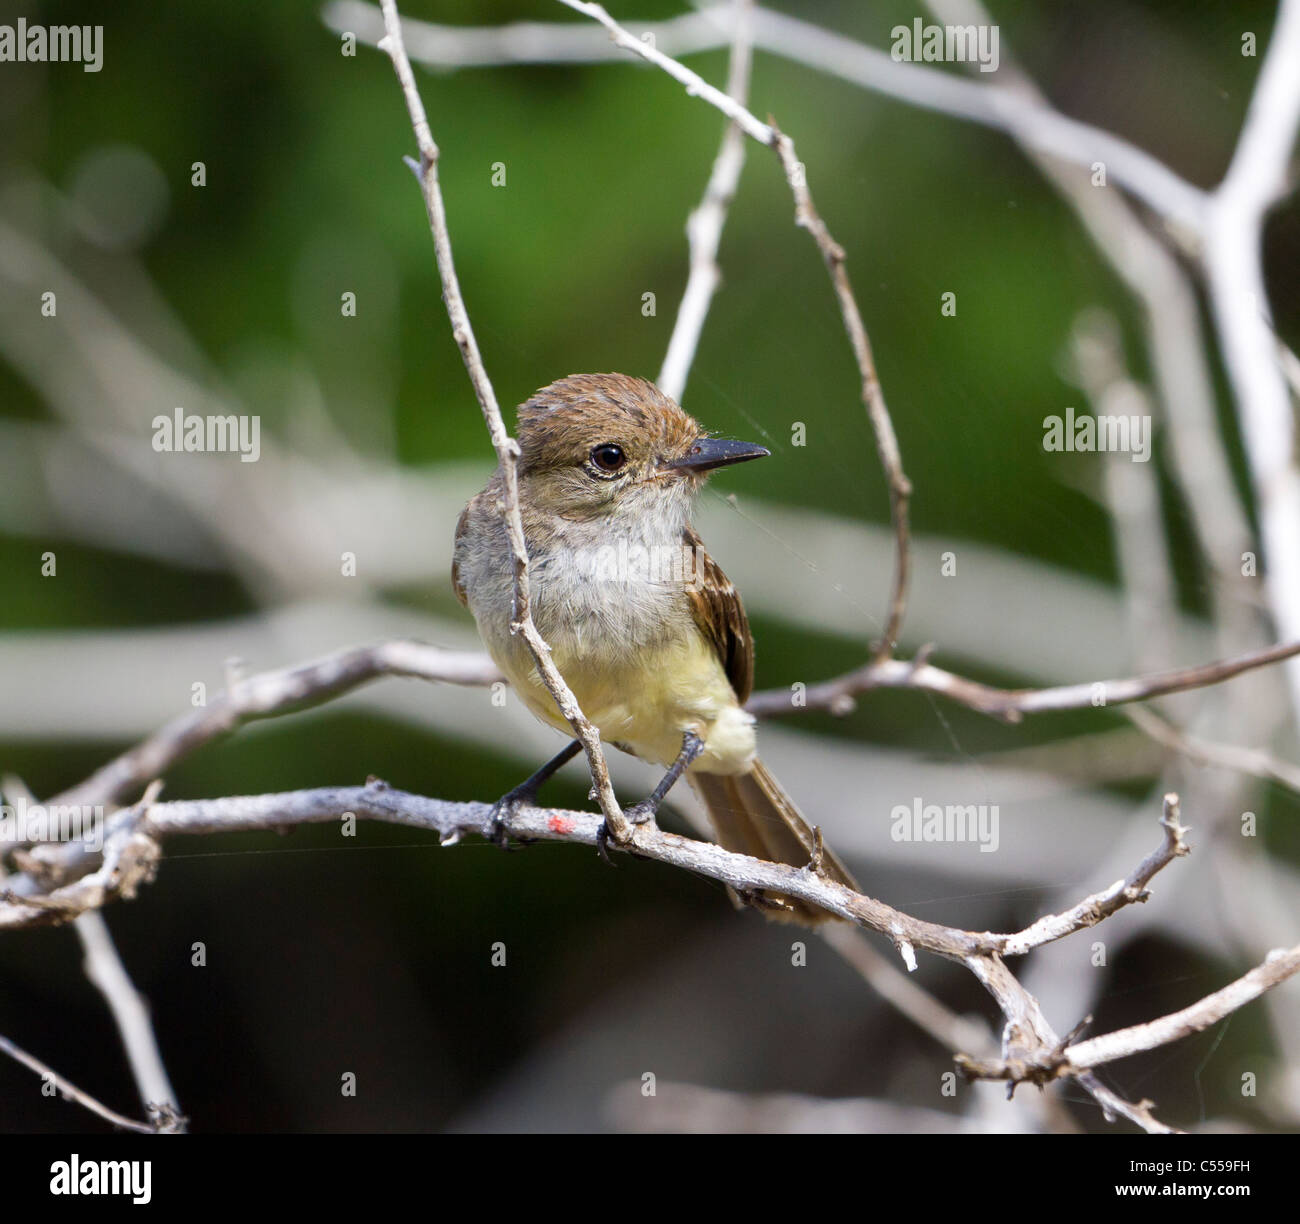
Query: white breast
x=613, y=608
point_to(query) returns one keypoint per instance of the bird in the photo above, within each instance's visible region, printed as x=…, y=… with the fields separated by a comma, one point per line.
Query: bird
x=645, y=627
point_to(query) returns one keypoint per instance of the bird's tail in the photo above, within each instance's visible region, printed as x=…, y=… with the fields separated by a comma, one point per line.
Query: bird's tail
x=752, y=815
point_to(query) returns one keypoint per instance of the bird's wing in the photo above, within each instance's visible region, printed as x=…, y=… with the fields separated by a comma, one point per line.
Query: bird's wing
x=456, y=584
x=720, y=615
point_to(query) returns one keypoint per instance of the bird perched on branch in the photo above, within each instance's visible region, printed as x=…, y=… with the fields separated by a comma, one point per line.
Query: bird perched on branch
x=643, y=625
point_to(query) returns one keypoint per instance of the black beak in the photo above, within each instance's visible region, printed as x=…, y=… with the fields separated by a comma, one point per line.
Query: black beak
x=709, y=453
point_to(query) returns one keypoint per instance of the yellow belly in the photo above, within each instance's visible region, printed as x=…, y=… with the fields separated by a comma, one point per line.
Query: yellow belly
x=647, y=705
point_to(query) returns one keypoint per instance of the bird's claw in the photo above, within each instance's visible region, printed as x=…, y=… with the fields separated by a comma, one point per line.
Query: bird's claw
x=638, y=814
x=641, y=813
x=503, y=811
x=602, y=843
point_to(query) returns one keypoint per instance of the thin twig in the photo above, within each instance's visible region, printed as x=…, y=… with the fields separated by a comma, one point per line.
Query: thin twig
x=704, y=226
x=69, y=1091
x=807, y=217
x=1139, y=1038
x=1094, y=909
x=272, y=694
x=507, y=449
x=130, y=1011
x=1039, y=126
x=1277, y=967
x=106, y=972
x=873, y=398
x=1010, y=705
x=1254, y=761
x=695, y=84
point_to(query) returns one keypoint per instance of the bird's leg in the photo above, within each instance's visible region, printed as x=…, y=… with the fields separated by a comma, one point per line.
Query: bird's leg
x=692, y=746
x=639, y=813
x=526, y=792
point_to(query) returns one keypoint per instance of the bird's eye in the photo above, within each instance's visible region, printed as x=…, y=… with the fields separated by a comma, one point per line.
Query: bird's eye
x=608, y=457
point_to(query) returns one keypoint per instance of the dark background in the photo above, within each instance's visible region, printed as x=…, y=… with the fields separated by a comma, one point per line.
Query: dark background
x=375, y=958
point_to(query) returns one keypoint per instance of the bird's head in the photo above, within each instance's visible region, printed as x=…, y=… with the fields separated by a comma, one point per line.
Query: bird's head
x=601, y=444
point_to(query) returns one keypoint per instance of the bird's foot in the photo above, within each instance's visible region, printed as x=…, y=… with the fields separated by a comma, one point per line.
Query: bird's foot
x=503, y=814
x=641, y=813
x=644, y=812
x=638, y=814
x=524, y=795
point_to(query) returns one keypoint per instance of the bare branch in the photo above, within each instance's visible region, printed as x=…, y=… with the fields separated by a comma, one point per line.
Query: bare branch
x=1031, y=1050
x=1010, y=705
x=1232, y=250
x=166, y=1124
x=1094, y=909
x=23, y=905
x=1037, y=125
x=807, y=217
x=270, y=695
x=1124, y=1043
x=106, y=972
x=506, y=447
x=130, y=858
x=154, y=820
x=704, y=226
x=304, y=686
x=444, y=47
x=873, y=397
x=695, y=84
x=130, y=1012
x=1279, y=966
x=1028, y=1037
x=1254, y=761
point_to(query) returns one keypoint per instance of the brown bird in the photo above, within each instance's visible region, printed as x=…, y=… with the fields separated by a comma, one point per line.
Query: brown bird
x=642, y=623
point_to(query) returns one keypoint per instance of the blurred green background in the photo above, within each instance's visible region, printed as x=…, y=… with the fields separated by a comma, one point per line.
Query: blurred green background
x=373, y=959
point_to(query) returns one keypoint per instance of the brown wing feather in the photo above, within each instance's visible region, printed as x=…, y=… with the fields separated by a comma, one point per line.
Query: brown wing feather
x=720, y=615
x=455, y=568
